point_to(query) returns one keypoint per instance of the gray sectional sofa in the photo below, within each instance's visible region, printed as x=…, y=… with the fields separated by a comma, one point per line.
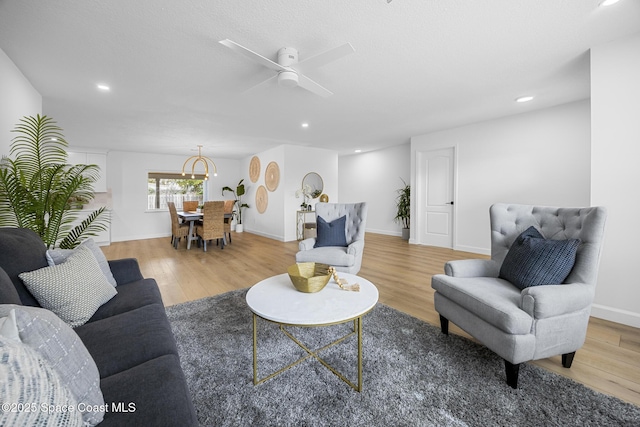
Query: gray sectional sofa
x=129, y=338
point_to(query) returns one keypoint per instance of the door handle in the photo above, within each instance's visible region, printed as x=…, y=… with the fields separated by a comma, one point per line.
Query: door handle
x=450, y=203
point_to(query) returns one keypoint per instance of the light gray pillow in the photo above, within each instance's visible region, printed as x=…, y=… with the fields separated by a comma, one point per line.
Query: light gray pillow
x=73, y=290
x=62, y=348
x=28, y=382
x=58, y=256
x=9, y=326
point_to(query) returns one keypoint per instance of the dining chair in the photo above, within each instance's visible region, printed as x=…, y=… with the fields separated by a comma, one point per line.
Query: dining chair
x=190, y=206
x=178, y=229
x=228, y=210
x=212, y=226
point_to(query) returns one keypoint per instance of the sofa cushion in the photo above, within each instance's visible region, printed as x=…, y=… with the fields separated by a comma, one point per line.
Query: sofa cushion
x=153, y=393
x=62, y=348
x=130, y=296
x=73, y=290
x=533, y=260
x=28, y=379
x=58, y=256
x=331, y=233
x=21, y=250
x=125, y=340
x=8, y=292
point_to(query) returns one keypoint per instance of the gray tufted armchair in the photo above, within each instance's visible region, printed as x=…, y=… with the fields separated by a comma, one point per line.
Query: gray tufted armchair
x=346, y=259
x=536, y=322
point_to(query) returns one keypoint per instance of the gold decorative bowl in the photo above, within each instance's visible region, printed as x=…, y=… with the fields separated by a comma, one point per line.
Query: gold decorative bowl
x=309, y=276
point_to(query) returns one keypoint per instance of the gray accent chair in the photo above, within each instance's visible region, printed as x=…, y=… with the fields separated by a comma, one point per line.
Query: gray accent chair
x=536, y=322
x=346, y=259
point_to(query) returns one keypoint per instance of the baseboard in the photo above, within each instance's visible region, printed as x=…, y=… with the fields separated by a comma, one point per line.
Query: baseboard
x=267, y=235
x=472, y=249
x=616, y=315
x=141, y=237
x=385, y=232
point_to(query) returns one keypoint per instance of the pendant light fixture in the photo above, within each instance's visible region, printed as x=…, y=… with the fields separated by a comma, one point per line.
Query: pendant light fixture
x=200, y=159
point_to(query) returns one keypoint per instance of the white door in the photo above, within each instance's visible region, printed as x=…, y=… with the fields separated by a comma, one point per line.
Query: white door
x=436, y=207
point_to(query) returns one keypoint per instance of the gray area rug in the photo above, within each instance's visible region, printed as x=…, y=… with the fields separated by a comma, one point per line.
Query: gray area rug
x=413, y=376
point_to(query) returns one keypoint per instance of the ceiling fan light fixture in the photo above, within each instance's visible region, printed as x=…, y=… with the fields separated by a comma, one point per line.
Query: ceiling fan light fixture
x=288, y=78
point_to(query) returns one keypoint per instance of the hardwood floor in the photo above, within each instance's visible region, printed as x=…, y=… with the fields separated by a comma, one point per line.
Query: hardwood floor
x=609, y=361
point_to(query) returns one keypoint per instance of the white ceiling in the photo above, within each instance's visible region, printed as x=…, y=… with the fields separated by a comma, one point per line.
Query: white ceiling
x=418, y=66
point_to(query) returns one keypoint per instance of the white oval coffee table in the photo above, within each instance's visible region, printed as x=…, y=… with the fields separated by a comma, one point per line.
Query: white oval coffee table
x=276, y=300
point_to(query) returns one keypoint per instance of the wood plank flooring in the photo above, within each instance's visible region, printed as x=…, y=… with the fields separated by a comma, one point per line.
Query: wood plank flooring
x=609, y=361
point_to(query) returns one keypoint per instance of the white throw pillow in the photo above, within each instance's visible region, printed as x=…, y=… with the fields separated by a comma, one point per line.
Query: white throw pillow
x=9, y=326
x=63, y=349
x=31, y=390
x=73, y=290
x=58, y=256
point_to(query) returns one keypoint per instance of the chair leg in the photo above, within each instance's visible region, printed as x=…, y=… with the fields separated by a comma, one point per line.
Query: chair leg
x=512, y=373
x=567, y=359
x=444, y=325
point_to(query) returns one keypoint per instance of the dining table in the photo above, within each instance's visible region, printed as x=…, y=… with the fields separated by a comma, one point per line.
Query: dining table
x=191, y=217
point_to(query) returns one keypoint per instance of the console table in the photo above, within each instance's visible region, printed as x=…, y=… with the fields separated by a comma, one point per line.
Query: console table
x=302, y=224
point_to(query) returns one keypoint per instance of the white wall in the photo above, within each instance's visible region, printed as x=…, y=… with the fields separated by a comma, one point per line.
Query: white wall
x=127, y=174
x=615, y=127
x=279, y=220
x=18, y=98
x=538, y=158
x=374, y=177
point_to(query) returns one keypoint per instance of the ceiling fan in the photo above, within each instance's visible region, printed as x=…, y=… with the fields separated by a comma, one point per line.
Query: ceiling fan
x=290, y=71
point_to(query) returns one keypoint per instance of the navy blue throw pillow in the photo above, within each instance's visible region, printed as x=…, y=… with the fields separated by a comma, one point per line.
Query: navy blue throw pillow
x=533, y=260
x=331, y=233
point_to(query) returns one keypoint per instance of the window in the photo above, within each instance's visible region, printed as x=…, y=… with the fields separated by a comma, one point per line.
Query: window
x=173, y=187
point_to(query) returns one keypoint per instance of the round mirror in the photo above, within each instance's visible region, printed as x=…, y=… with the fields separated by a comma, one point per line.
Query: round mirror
x=314, y=183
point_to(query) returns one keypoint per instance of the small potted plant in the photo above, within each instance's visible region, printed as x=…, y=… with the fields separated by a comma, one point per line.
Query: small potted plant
x=403, y=209
x=237, y=195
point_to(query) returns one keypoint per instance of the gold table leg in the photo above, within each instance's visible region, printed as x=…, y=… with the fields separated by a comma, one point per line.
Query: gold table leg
x=357, y=329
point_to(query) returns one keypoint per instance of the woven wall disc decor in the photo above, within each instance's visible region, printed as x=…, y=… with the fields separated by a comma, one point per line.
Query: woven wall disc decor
x=262, y=199
x=272, y=176
x=254, y=169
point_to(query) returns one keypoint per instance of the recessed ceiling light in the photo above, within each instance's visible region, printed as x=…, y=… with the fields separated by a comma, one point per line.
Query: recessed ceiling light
x=305, y=125
x=103, y=87
x=358, y=151
x=608, y=2
x=524, y=99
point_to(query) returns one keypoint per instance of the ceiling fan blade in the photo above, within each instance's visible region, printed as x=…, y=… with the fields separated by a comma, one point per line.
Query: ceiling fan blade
x=324, y=58
x=252, y=55
x=308, y=84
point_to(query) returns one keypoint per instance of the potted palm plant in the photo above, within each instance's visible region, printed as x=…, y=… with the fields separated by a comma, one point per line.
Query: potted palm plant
x=403, y=209
x=237, y=195
x=41, y=192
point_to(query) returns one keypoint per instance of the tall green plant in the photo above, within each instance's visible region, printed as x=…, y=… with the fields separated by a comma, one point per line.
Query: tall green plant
x=237, y=195
x=41, y=192
x=403, y=205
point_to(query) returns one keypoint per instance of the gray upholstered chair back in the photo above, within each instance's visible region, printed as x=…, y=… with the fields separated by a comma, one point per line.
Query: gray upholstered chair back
x=356, y=217
x=586, y=224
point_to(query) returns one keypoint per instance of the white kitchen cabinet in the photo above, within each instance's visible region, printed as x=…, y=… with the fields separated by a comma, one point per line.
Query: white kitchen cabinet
x=100, y=159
